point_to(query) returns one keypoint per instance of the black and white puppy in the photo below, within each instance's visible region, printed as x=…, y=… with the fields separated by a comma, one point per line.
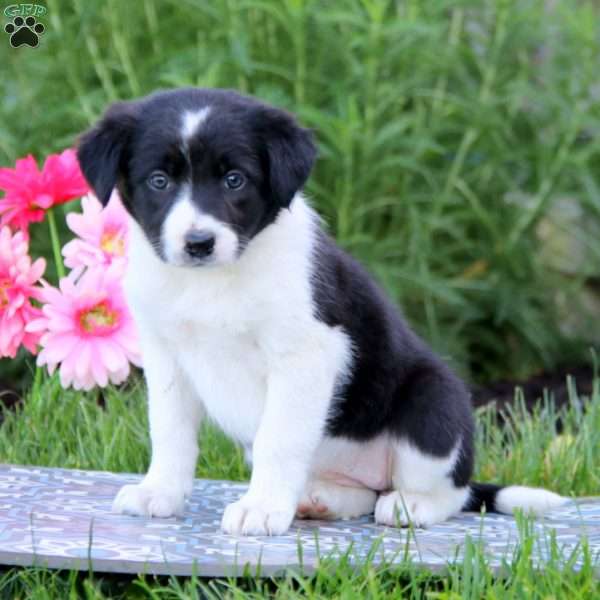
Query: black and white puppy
x=250, y=314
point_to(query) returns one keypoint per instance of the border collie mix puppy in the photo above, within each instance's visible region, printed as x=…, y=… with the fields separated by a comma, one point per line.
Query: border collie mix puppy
x=250, y=314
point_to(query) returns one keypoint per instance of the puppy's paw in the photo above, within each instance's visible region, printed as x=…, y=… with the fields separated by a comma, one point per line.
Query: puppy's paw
x=246, y=517
x=148, y=501
x=400, y=510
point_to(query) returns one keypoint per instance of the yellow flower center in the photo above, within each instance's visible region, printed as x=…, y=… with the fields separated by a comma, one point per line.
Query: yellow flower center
x=113, y=243
x=99, y=317
x=4, y=285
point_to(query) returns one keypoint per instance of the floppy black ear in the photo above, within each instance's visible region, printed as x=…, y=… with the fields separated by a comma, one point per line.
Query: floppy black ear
x=102, y=148
x=291, y=154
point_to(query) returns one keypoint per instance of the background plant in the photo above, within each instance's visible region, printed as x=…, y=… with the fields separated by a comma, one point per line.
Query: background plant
x=458, y=140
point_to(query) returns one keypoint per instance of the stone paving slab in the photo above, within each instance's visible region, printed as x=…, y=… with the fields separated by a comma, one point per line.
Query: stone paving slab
x=60, y=518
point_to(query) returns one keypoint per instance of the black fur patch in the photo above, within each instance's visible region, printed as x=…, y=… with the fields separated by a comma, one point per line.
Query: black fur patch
x=396, y=384
x=483, y=495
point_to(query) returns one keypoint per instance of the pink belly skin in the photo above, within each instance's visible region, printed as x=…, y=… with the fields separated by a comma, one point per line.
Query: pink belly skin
x=354, y=464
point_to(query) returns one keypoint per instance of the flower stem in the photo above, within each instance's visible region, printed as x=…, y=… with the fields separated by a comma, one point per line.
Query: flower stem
x=60, y=268
x=37, y=379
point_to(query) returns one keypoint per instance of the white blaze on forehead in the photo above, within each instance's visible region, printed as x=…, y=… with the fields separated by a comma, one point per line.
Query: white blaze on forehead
x=185, y=216
x=192, y=119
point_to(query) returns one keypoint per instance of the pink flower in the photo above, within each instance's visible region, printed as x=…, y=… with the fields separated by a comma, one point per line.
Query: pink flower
x=88, y=330
x=18, y=277
x=30, y=192
x=63, y=178
x=25, y=200
x=102, y=232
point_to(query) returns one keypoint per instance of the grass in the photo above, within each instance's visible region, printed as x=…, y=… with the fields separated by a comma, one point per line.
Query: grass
x=459, y=158
x=108, y=432
x=459, y=146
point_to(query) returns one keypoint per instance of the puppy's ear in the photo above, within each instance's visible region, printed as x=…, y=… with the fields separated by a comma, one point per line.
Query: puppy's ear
x=101, y=150
x=291, y=154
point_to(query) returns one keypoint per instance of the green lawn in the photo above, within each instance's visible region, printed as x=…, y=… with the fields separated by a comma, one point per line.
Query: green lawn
x=69, y=429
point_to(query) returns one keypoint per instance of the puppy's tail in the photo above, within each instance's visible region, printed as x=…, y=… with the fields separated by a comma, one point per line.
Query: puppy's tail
x=500, y=499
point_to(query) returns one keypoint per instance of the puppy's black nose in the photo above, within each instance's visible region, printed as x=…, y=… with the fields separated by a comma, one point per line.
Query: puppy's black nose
x=199, y=243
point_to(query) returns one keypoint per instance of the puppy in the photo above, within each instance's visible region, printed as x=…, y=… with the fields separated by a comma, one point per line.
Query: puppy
x=249, y=313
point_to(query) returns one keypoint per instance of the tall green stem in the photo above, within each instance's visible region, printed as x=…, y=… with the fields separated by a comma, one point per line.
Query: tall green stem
x=37, y=380
x=60, y=268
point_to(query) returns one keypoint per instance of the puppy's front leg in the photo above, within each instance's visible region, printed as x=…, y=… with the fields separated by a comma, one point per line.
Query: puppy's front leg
x=174, y=414
x=300, y=388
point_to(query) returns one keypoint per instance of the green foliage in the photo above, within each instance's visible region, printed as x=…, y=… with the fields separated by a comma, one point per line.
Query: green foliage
x=335, y=578
x=54, y=428
x=99, y=430
x=449, y=132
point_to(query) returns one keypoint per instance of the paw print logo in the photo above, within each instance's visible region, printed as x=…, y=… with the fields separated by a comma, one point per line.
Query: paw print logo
x=24, y=31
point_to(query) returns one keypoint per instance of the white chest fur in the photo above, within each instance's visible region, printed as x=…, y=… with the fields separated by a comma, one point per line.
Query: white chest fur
x=225, y=327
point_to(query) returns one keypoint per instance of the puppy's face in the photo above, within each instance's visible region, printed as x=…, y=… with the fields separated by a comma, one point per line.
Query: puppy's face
x=201, y=171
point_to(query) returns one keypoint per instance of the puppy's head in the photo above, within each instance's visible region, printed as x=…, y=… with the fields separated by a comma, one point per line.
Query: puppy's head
x=201, y=171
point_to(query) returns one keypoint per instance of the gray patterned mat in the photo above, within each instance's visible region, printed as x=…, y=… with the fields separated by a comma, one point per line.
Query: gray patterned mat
x=61, y=518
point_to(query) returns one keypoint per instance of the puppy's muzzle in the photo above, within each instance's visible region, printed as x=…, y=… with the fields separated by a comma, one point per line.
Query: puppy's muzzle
x=199, y=243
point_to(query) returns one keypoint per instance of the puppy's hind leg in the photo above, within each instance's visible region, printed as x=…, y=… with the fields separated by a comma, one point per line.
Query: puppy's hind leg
x=432, y=457
x=424, y=492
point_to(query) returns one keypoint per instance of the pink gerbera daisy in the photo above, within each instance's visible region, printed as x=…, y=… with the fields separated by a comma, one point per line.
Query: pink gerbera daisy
x=18, y=278
x=102, y=234
x=30, y=192
x=63, y=178
x=88, y=330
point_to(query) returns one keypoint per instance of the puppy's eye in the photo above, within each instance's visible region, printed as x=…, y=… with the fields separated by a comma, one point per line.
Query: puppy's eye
x=158, y=180
x=234, y=180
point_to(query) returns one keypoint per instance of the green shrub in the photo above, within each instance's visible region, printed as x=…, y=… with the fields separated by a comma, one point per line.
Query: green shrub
x=452, y=136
